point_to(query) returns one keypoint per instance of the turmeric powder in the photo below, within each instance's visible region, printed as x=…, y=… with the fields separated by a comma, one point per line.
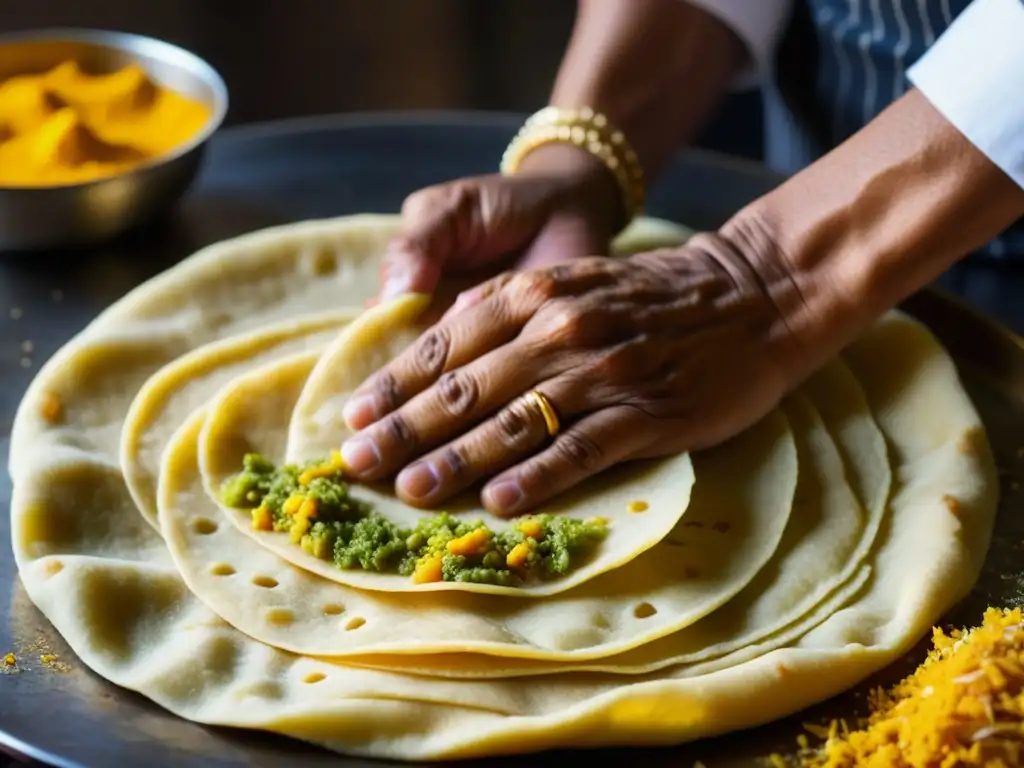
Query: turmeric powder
x=964, y=706
x=65, y=126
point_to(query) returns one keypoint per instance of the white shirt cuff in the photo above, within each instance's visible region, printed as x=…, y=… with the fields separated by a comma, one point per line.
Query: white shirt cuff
x=759, y=24
x=974, y=76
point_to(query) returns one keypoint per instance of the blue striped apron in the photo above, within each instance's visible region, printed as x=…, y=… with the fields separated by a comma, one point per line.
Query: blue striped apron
x=840, y=64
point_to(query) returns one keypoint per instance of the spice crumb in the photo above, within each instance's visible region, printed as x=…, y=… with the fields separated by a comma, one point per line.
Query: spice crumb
x=10, y=660
x=963, y=706
x=52, y=662
x=16, y=313
x=27, y=347
x=637, y=506
x=50, y=407
x=26, y=362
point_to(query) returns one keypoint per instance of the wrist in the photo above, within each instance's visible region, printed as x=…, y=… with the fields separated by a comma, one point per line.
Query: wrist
x=877, y=219
x=583, y=185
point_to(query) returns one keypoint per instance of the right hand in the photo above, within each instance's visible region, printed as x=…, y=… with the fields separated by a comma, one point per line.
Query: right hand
x=562, y=203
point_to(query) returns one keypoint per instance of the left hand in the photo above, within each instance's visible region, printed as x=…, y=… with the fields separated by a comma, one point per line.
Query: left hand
x=664, y=352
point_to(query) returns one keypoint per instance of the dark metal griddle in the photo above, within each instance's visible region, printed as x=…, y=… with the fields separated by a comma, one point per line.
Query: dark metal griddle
x=266, y=175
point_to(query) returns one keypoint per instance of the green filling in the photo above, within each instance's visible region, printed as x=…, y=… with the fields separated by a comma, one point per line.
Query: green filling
x=351, y=534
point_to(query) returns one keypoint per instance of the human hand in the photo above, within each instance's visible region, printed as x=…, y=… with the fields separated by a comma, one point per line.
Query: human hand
x=668, y=351
x=562, y=203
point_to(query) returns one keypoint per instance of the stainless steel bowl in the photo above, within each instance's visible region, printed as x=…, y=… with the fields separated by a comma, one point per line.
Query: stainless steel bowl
x=35, y=218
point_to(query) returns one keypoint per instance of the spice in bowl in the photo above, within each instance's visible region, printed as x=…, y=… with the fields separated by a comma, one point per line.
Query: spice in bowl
x=66, y=126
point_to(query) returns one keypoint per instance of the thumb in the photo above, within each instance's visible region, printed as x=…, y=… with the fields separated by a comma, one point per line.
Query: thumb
x=409, y=268
x=440, y=225
x=463, y=226
x=415, y=258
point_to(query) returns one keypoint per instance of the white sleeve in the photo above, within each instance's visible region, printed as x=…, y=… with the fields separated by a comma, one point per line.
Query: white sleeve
x=974, y=76
x=758, y=23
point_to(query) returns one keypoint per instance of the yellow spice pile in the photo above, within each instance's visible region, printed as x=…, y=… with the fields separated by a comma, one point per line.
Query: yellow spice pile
x=964, y=706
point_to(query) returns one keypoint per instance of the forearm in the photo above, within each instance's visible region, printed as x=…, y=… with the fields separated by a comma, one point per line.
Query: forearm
x=656, y=68
x=876, y=219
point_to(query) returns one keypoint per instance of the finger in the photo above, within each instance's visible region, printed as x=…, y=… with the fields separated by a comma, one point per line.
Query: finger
x=594, y=444
x=473, y=296
x=513, y=434
x=581, y=275
x=436, y=223
x=445, y=346
x=410, y=268
x=495, y=320
x=460, y=399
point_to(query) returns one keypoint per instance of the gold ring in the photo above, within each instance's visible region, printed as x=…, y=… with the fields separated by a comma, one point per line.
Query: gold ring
x=547, y=410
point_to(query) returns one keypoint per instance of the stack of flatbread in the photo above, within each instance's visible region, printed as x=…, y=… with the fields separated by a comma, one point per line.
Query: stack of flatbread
x=764, y=575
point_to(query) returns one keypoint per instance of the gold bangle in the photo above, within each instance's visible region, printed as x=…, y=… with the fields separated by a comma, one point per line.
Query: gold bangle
x=590, y=131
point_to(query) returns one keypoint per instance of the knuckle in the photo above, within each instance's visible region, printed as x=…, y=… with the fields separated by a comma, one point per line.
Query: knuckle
x=469, y=295
x=431, y=353
x=458, y=393
x=455, y=462
x=514, y=425
x=623, y=363
x=449, y=198
x=534, y=288
x=420, y=202
x=538, y=477
x=385, y=390
x=562, y=273
x=567, y=319
x=464, y=195
x=579, y=451
x=398, y=431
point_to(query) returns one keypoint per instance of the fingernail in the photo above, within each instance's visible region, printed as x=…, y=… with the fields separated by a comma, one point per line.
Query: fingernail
x=419, y=480
x=394, y=286
x=506, y=496
x=360, y=454
x=360, y=412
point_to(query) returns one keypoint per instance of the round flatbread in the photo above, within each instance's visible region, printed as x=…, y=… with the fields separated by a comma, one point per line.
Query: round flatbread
x=820, y=564
x=105, y=579
x=173, y=392
x=292, y=414
x=736, y=518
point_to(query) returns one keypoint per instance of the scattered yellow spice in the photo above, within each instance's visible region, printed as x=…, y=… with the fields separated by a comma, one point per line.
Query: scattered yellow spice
x=518, y=556
x=292, y=504
x=48, y=658
x=298, y=529
x=319, y=547
x=531, y=529
x=637, y=506
x=50, y=407
x=10, y=660
x=335, y=466
x=262, y=519
x=428, y=570
x=962, y=708
x=309, y=509
x=474, y=543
